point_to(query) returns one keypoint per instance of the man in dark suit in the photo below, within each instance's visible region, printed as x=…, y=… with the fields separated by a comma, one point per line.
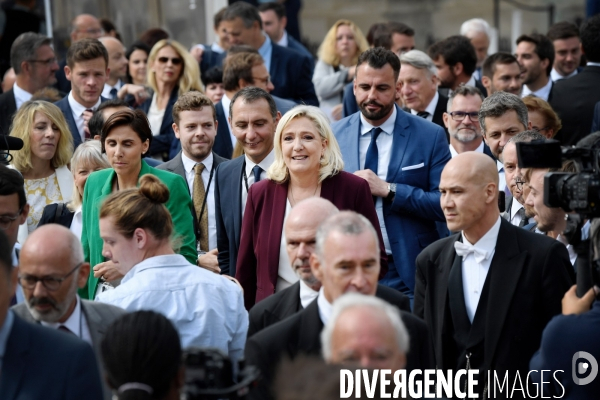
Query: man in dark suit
x=195, y=125
x=402, y=164
x=420, y=88
x=290, y=71
x=535, y=54
x=254, y=118
x=596, y=119
x=39, y=362
x=574, y=98
x=53, y=251
x=87, y=70
x=34, y=63
x=474, y=289
x=345, y=259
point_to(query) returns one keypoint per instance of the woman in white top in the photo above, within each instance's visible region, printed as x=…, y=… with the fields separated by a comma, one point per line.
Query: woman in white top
x=47, y=149
x=338, y=55
x=87, y=158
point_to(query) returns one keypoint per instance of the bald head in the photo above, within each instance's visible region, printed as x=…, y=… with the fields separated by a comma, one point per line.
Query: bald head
x=51, y=240
x=117, y=62
x=85, y=26
x=311, y=212
x=476, y=166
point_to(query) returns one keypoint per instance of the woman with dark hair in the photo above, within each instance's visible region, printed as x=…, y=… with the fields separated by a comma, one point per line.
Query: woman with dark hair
x=125, y=137
x=141, y=353
x=137, y=56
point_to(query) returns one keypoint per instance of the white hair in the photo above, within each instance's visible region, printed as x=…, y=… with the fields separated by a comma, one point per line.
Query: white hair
x=475, y=25
x=419, y=60
x=355, y=300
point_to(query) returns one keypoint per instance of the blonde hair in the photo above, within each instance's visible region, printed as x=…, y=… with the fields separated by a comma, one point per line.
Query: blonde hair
x=331, y=162
x=535, y=104
x=327, y=52
x=22, y=127
x=89, y=152
x=190, y=72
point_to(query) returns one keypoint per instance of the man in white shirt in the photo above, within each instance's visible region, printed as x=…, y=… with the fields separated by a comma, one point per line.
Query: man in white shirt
x=462, y=121
x=117, y=66
x=567, y=50
x=51, y=269
x=35, y=65
x=535, y=54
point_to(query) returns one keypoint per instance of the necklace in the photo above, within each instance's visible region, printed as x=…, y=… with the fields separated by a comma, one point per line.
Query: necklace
x=294, y=200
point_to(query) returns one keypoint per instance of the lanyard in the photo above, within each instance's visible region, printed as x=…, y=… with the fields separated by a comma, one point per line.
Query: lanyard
x=244, y=175
x=210, y=177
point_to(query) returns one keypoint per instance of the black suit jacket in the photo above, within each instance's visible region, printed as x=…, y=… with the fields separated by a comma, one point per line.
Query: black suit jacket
x=574, y=100
x=438, y=114
x=64, y=106
x=300, y=334
x=8, y=108
x=291, y=74
x=43, y=363
x=596, y=119
x=165, y=141
x=62, y=83
x=223, y=145
x=49, y=215
x=529, y=275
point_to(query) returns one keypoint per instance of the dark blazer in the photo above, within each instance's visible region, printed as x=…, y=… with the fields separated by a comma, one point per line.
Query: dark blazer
x=349, y=105
x=165, y=142
x=49, y=215
x=574, y=100
x=291, y=74
x=8, y=108
x=300, y=334
x=286, y=303
x=64, y=106
x=228, y=212
x=211, y=58
x=410, y=220
x=596, y=119
x=299, y=47
x=258, y=259
x=98, y=316
x=62, y=83
x=528, y=277
x=438, y=114
x=42, y=363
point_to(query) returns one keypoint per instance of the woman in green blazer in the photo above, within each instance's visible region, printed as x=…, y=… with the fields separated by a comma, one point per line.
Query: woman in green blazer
x=125, y=137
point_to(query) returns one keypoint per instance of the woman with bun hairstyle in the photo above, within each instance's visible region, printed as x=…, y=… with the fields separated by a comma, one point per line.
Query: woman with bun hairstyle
x=206, y=308
x=125, y=137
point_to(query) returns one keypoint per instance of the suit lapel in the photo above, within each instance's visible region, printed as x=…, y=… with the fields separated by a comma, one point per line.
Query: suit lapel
x=349, y=141
x=68, y=113
x=310, y=330
x=401, y=139
x=222, y=144
x=94, y=322
x=236, y=190
x=290, y=304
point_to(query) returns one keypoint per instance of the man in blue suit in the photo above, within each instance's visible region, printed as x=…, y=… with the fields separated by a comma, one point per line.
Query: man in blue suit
x=38, y=362
x=291, y=71
x=87, y=70
x=402, y=157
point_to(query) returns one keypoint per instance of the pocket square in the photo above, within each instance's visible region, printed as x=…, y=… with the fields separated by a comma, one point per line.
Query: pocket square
x=413, y=167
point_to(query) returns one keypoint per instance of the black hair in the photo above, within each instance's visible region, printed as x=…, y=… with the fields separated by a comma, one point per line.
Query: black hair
x=247, y=12
x=590, y=38
x=250, y=94
x=489, y=65
x=138, y=45
x=11, y=182
x=5, y=254
x=455, y=49
x=277, y=8
x=213, y=75
x=543, y=48
x=562, y=30
x=378, y=57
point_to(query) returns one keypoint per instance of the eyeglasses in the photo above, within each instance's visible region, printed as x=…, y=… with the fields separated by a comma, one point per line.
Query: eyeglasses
x=47, y=62
x=460, y=115
x=92, y=31
x=51, y=283
x=263, y=80
x=174, y=61
x=520, y=184
x=7, y=220
x=540, y=130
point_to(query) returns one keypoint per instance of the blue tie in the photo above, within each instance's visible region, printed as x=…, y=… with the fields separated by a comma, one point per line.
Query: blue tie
x=372, y=158
x=113, y=93
x=256, y=171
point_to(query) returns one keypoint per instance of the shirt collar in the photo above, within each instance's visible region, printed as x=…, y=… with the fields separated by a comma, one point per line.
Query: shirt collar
x=516, y=206
x=5, y=332
x=78, y=108
x=216, y=48
x=108, y=88
x=325, y=307
x=542, y=93
x=266, y=46
x=555, y=76
x=73, y=323
x=284, y=39
x=487, y=241
x=307, y=294
x=167, y=260
x=264, y=164
x=500, y=166
x=189, y=164
x=387, y=126
x=21, y=94
x=225, y=102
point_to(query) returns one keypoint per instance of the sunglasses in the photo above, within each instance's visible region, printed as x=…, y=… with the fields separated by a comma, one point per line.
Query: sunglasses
x=174, y=61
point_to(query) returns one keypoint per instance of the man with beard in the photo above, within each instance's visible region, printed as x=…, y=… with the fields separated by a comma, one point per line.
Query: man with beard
x=463, y=123
x=502, y=73
x=535, y=54
x=51, y=269
x=401, y=156
x=195, y=125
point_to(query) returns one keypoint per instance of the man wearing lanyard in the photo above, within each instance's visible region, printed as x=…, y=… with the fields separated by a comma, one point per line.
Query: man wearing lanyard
x=195, y=125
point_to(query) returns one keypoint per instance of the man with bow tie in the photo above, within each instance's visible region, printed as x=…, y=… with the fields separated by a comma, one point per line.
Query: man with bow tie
x=487, y=292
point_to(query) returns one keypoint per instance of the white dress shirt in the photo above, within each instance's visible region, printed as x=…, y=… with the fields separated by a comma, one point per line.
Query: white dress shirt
x=542, y=93
x=225, y=102
x=307, y=294
x=19, y=290
x=286, y=276
x=107, y=88
x=515, y=218
x=325, y=307
x=555, y=76
x=264, y=164
x=206, y=308
x=76, y=323
x=21, y=96
x=77, y=223
x=430, y=107
x=570, y=249
x=501, y=176
x=77, y=111
x=384, y=148
x=454, y=153
x=284, y=39
x=473, y=272
x=155, y=116
x=190, y=175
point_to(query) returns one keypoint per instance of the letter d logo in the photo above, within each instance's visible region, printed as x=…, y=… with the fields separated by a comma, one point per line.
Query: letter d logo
x=583, y=367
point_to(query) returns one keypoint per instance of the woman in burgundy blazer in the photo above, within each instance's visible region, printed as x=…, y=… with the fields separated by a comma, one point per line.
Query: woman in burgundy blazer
x=308, y=163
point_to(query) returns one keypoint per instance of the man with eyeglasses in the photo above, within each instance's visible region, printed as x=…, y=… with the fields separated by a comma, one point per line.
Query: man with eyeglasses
x=462, y=121
x=51, y=269
x=34, y=63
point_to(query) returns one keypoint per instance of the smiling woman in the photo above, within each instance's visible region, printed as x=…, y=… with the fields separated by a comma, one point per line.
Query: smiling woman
x=47, y=148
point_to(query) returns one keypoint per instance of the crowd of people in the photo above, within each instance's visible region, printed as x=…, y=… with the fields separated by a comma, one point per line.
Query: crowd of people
x=365, y=207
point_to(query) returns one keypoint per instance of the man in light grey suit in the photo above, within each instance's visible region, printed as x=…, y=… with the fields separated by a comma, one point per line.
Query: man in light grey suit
x=51, y=269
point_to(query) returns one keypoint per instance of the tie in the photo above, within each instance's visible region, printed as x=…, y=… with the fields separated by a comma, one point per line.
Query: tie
x=372, y=158
x=256, y=171
x=113, y=93
x=198, y=196
x=521, y=212
x=65, y=329
x=87, y=133
x=464, y=250
x=423, y=114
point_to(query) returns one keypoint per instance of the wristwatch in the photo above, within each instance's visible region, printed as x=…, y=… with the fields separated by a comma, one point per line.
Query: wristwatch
x=391, y=192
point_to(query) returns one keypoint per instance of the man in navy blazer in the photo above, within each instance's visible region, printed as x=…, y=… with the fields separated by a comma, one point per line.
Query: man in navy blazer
x=86, y=69
x=290, y=71
x=38, y=362
x=403, y=165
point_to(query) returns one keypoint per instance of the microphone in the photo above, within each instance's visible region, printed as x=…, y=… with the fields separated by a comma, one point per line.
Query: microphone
x=10, y=143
